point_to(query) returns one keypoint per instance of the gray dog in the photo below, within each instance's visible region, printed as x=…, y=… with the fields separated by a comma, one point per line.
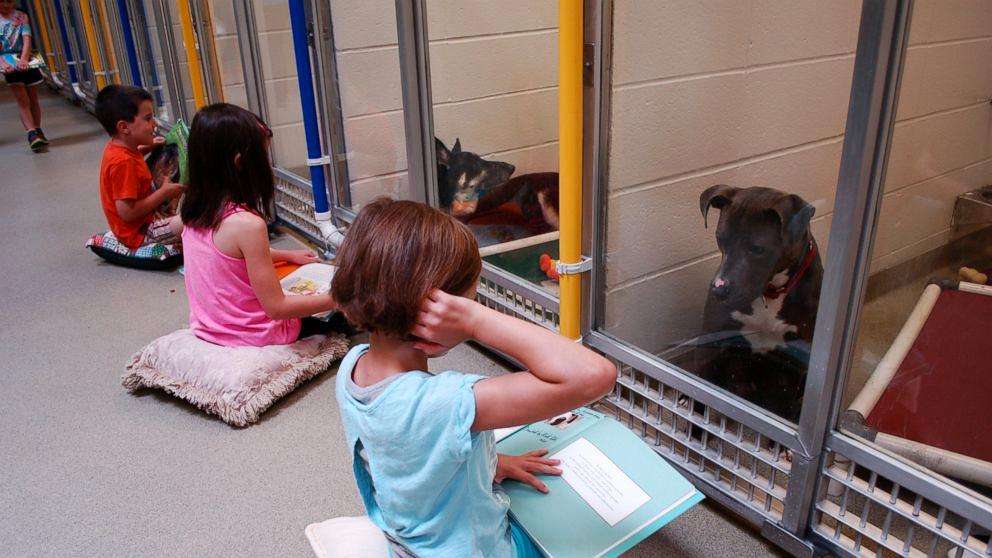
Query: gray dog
x=761, y=306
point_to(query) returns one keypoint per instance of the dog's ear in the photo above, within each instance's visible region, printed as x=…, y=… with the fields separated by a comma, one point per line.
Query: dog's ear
x=443, y=155
x=457, y=148
x=718, y=196
x=794, y=214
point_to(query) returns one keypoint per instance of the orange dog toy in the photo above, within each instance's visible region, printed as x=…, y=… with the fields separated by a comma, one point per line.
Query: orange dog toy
x=549, y=266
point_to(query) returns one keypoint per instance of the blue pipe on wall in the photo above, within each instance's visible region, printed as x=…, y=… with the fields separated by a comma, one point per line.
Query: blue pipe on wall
x=132, y=53
x=70, y=60
x=304, y=76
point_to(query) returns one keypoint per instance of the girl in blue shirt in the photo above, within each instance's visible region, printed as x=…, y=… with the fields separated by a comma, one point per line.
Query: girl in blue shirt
x=422, y=444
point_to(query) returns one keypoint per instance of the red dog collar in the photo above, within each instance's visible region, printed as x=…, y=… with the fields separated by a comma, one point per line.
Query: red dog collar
x=772, y=292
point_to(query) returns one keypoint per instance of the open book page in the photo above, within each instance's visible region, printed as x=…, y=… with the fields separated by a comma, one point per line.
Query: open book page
x=598, y=481
x=308, y=279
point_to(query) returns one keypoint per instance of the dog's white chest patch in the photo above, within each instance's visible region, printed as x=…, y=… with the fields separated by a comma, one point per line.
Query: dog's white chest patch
x=763, y=328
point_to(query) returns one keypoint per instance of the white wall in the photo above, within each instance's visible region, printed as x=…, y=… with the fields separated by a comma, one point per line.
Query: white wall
x=755, y=93
x=493, y=79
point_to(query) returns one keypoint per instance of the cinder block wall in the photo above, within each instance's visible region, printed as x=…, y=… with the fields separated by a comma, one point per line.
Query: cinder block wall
x=282, y=93
x=493, y=78
x=755, y=93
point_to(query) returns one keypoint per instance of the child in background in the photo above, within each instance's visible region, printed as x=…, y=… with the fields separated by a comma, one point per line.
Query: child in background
x=15, y=39
x=422, y=444
x=129, y=202
x=234, y=295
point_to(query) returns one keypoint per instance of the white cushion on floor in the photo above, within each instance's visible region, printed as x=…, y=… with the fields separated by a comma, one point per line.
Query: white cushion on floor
x=235, y=383
x=347, y=537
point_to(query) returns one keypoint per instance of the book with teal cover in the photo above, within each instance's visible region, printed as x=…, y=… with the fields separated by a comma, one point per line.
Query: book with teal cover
x=614, y=492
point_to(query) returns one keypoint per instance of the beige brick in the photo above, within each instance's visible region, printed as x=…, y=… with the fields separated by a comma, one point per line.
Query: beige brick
x=945, y=76
x=961, y=19
x=674, y=128
x=278, y=60
x=228, y=56
x=659, y=228
x=542, y=158
x=500, y=123
x=466, y=18
x=491, y=66
x=782, y=31
x=236, y=95
x=289, y=146
x=658, y=313
x=920, y=211
x=363, y=24
x=271, y=15
x=376, y=145
x=222, y=17
x=911, y=86
x=921, y=21
x=394, y=187
x=283, y=99
x=369, y=81
x=934, y=145
x=653, y=40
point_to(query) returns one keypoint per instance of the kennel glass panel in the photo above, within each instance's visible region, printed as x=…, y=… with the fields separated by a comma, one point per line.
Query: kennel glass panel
x=724, y=140
x=229, y=75
x=366, y=58
x=494, y=89
x=148, y=42
x=919, y=381
x=80, y=50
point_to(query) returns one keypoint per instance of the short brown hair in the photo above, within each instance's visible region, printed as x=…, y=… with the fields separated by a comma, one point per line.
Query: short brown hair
x=395, y=253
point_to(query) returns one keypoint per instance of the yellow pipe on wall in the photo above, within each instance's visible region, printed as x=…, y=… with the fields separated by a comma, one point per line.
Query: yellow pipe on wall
x=192, y=55
x=108, y=44
x=570, y=160
x=45, y=46
x=95, y=63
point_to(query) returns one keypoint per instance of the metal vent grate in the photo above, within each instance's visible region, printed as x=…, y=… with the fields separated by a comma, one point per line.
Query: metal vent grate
x=749, y=467
x=867, y=514
x=294, y=205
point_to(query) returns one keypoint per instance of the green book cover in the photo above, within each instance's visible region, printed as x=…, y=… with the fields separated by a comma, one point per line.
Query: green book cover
x=614, y=491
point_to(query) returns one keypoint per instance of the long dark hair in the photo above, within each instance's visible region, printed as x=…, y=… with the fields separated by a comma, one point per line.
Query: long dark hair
x=219, y=133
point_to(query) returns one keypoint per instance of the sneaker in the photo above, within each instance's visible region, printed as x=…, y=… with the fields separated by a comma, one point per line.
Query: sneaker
x=44, y=139
x=36, y=140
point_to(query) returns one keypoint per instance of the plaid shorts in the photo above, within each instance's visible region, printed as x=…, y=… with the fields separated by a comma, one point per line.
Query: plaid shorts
x=159, y=232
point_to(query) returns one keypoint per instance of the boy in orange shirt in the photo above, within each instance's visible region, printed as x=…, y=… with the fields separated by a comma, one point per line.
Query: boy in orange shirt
x=131, y=205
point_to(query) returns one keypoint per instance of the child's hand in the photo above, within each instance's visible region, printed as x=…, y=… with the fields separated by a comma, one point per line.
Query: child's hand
x=444, y=321
x=173, y=189
x=22, y=65
x=301, y=257
x=156, y=141
x=523, y=467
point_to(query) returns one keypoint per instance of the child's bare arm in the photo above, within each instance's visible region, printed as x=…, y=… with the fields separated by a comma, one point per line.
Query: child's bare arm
x=253, y=242
x=561, y=374
x=300, y=257
x=22, y=62
x=133, y=209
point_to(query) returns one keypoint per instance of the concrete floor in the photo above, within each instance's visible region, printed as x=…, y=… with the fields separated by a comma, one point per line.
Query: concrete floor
x=90, y=470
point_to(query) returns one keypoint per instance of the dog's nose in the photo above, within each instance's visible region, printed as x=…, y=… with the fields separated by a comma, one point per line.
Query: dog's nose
x=720, y=288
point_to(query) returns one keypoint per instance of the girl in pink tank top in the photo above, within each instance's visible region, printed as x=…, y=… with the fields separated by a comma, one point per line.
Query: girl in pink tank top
x=234, y=294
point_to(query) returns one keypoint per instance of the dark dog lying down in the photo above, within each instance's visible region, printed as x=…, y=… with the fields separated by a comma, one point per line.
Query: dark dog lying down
x=470, y=186
x=761, y=305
